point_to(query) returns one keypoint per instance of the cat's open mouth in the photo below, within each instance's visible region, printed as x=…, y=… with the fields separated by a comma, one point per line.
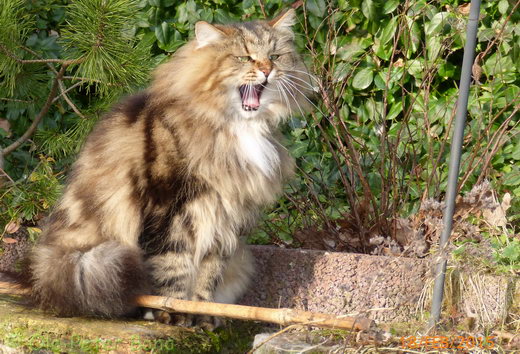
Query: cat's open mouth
x=250, y=95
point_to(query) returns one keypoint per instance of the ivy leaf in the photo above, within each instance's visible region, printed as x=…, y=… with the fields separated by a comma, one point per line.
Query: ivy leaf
x=299, y=148
x=363, y=79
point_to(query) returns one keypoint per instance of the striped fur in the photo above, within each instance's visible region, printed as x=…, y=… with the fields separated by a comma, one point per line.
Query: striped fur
x=170, y=179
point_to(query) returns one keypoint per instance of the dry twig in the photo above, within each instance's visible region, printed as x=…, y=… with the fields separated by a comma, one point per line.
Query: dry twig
x=284, y=316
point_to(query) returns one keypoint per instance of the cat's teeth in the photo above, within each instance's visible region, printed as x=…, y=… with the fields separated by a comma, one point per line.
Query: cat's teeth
x=252, y=100
x=251, y=97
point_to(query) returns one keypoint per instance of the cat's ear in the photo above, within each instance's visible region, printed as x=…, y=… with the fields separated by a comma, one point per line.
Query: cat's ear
x=207, y=34
x=284, y=20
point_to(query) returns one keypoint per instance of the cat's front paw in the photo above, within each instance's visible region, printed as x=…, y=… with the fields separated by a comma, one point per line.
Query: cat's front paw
x=208, y=323
x=174, y=319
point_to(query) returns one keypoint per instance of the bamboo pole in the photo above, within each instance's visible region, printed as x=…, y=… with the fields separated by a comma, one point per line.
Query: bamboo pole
x=283, y=316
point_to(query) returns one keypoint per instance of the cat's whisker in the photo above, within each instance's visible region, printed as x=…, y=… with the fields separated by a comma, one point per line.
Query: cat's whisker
x=304, y=72
x=301, y=80
x=286, y=99
x=268, y=88
x=301, y=86
x=295, y=100
x=278, y=89
x=304, y=96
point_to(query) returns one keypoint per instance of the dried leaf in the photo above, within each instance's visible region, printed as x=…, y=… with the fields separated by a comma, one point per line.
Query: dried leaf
x=399, y=63
x=9, y=240
x=464, y=9
x=497, y=217
x=12, y=227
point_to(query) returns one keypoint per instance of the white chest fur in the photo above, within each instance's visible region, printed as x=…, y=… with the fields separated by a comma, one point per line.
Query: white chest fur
x=255, y=148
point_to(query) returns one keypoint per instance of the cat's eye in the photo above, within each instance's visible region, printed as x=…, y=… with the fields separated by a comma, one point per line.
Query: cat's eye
x=274, y=57
x=244, y=58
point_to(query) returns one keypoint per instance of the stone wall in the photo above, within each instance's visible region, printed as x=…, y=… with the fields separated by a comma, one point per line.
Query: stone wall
x=386, y=289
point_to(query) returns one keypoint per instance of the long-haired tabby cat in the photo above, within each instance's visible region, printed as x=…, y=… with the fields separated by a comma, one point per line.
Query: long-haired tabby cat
x=169, y=180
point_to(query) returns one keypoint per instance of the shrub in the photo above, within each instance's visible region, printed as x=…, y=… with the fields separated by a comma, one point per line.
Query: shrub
x=374, y=148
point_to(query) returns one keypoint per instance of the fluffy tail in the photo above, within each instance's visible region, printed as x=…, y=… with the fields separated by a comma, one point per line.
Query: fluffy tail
x=98, y=281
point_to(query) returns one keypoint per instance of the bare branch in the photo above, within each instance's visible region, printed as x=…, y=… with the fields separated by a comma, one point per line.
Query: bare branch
x=30, y=131
x=67, y=99
x=262, y=8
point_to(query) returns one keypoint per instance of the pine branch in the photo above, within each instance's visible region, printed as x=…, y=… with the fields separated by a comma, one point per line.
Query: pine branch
x=67, y=90
x=33, y=61
x=15, y=100
x=30, y=131
x=68, y=100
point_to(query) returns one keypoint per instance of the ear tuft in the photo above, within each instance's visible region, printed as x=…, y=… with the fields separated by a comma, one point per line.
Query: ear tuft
x=206, y=34
x=285, y=19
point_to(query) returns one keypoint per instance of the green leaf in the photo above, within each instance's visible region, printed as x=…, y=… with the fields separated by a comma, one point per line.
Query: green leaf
x=316, y=7
x=369, y=9
x=383, y=51
x=174, y=42
x=350, y=52
x=512, y=252
x=436, y=25
x=363, y=78
x=433, y=46
x=388, y=31
x=446, y=70
x=396, y=108
x=415, y=68
x=516, y=151
x=299, y=148
x=512, y=178
x=246, y=4
x=503, y=6
x=390, y=6
x=162, y=33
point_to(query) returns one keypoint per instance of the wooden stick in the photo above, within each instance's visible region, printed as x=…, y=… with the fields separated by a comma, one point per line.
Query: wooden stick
x=283, y=316
x=13, y=289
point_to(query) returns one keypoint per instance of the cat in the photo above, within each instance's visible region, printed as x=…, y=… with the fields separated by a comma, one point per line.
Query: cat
x=168, y=181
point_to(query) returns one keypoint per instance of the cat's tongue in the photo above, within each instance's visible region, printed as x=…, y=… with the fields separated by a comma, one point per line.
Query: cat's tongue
x=250, y=96
x=252, y=100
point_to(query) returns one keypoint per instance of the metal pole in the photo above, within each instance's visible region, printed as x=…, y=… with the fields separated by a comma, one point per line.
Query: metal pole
x=455, y=153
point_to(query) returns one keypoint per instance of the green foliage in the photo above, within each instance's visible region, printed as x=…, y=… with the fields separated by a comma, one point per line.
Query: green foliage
x=28, y=198
x=99, y=33
x=388, y=75
x=507, y=253
x=385, y=74
x=94, y=44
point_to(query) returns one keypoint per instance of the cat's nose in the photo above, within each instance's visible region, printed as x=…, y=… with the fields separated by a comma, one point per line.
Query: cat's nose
x=266, y=71
x=265, y=68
